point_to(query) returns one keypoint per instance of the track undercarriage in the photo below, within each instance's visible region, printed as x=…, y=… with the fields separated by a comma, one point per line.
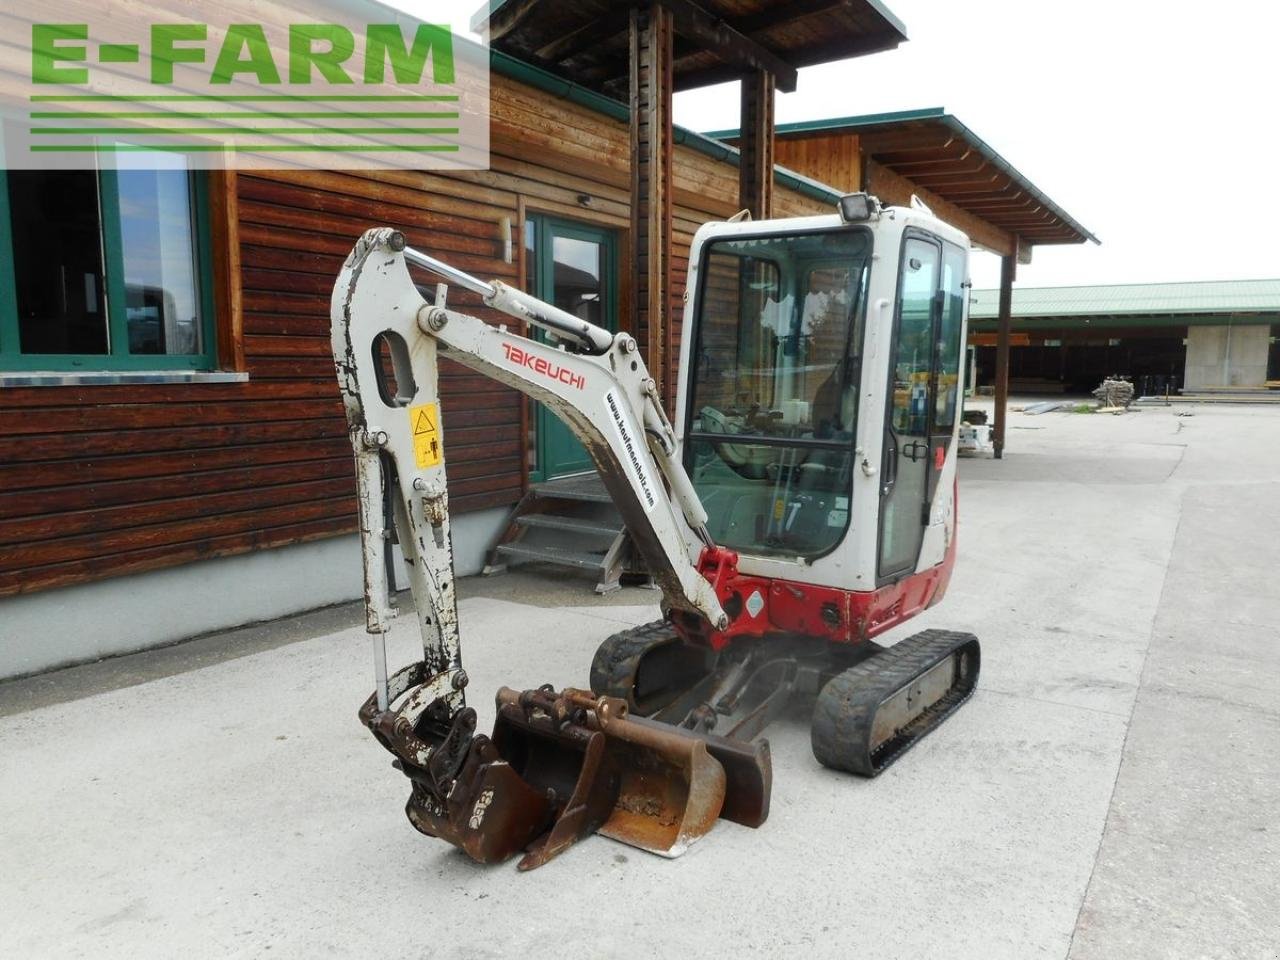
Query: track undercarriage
x=872, y=703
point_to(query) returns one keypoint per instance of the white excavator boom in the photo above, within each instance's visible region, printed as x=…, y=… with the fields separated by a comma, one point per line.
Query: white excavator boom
x=600, y=388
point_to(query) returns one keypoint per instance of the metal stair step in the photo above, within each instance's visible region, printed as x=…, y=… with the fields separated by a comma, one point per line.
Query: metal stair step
x=580, y=525
x=549, y=554
x=587, y=491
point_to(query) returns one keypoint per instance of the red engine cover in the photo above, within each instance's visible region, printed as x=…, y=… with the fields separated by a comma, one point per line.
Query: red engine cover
x=758, y=606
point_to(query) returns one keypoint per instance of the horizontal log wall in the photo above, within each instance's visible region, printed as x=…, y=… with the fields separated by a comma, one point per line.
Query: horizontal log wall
x=98, y=481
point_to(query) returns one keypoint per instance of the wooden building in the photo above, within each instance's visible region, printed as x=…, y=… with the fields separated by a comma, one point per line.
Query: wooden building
x=173, y=454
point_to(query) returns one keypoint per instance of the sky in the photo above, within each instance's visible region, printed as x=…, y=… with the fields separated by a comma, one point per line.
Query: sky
x=1154, y=124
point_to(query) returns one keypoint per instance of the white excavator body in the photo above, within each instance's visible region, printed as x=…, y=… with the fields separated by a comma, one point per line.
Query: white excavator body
x=802, y=503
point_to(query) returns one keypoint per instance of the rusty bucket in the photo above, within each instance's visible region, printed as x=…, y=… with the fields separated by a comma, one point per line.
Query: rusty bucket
x=561, y=766
x=654, y=788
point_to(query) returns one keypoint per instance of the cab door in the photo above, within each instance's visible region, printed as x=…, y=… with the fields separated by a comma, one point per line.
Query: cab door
x=908, y=442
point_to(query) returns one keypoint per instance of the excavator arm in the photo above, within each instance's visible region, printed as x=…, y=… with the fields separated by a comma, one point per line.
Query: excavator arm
x=493, y=796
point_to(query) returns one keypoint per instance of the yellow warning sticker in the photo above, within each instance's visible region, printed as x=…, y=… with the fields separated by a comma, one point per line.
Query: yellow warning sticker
x=424, y=421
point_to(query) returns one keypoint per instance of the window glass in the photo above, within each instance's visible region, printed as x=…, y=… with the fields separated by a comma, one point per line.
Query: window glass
x=57, y=262
x=774, y=389
x=914, y=354
x=947, y=389
x=106, y=269
x=778, y=334
x=578, y=287
x=531, y=256
x=162, y=296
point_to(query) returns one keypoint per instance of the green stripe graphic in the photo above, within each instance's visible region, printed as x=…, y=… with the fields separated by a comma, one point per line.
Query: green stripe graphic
x=135, y=131
x=218, y=98
x=243, y=148
x=236, y=114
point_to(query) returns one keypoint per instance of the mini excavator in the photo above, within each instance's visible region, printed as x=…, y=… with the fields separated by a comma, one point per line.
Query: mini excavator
x=802, y=503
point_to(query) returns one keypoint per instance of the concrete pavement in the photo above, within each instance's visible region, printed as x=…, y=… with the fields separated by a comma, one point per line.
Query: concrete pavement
x=1112, y=791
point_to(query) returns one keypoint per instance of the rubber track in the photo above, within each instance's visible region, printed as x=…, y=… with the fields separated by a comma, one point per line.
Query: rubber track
x=846, y=707
x=613, y=669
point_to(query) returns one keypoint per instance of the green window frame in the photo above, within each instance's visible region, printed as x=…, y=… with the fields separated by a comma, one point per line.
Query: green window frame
x=11, y=356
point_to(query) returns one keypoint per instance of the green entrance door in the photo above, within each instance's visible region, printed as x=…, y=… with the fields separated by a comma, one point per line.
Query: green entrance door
x=573, y=266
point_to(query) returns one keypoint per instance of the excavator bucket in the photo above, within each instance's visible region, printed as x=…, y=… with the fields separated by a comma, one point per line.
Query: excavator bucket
x=561, y=766
x=656, y=789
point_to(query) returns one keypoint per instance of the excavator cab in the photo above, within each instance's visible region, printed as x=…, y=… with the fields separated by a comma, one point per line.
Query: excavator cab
x=801, y=504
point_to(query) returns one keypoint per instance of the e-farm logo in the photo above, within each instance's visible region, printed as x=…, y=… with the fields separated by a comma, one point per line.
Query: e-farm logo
x=314, y=49
x=336, y=91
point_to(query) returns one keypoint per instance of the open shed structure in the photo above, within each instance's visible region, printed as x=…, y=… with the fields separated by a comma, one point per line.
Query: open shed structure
x=931, y=155
x=1177, y=337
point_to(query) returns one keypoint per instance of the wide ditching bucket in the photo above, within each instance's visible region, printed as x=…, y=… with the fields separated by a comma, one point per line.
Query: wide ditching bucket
x=656, y=789
x=563, y=765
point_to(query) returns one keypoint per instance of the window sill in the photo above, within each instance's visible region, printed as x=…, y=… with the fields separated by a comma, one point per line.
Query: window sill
x=37, y=378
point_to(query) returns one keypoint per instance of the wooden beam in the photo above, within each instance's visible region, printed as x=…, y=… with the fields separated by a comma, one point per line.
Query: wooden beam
x=906, y=141
x=1008, y=270
x=772, y=17
x=588, y=35
x=224, y=230
x=510, y=17
x=893, y=188
x=729, y=44
x=756, y=146
x=652, y=37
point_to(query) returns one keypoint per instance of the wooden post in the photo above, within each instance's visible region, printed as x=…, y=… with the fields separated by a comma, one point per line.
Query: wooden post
x=756, y=144
x=652, y=35
x=224, y=230
x=1008, y=270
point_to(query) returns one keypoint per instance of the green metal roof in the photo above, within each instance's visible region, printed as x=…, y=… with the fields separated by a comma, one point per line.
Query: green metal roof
x=837, y=124
x=1197, y=298
x=1020, y=191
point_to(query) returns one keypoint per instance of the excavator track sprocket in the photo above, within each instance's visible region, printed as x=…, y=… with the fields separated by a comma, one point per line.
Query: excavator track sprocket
x=869, y=715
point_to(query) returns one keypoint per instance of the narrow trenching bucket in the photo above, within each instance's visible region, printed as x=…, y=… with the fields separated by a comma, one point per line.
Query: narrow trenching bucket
x=654, y=788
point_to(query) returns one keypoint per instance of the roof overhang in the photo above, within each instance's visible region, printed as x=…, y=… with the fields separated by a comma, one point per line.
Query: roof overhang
x=938, y=153
x=716, y=40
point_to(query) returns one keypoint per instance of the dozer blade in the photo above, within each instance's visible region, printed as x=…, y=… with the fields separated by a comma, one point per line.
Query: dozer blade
x=869, y=715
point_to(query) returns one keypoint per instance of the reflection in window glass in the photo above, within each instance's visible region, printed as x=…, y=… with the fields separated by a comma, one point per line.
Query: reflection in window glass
x=913, y=358
x=947, y=391
x=162, y=300
x=778, y=334
x=769, y=500
x=774, y=389
x=578, y=269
